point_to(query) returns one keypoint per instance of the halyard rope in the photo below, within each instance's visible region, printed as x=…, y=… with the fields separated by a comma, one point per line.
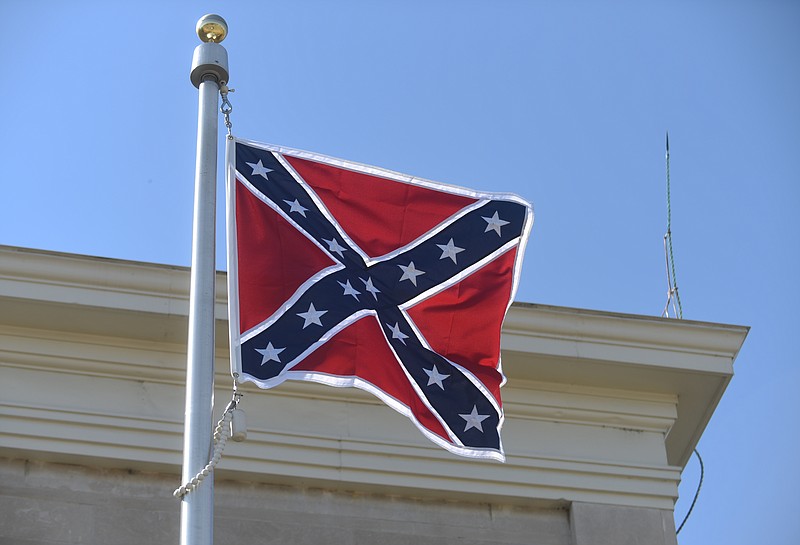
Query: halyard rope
x=221, y=435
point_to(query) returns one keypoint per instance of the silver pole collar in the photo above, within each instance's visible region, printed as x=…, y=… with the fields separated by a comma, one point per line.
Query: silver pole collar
x=209, y=59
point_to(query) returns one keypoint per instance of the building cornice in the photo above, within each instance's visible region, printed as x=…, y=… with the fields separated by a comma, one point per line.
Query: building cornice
x=600, y=406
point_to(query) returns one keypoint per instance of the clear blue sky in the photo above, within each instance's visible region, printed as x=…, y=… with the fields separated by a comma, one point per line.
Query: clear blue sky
x=564, y=103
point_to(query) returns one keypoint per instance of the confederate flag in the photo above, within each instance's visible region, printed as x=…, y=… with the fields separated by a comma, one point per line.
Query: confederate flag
x=352, y=275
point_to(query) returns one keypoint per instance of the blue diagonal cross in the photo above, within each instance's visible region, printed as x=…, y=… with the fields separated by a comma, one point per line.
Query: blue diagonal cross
x=355, y=288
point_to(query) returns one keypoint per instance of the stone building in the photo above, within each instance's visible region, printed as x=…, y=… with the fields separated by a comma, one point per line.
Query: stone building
x=603, y=411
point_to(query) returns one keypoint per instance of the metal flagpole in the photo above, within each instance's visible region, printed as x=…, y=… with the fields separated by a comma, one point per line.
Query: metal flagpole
x=209, y=71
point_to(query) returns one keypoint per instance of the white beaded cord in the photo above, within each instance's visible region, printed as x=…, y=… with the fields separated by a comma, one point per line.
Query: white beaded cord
x=222, y=433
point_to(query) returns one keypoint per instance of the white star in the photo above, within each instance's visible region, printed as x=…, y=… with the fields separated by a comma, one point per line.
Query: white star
x=435, y=377
x=295, y=206
x=259, y=169
x=450, y=250
x=311, y=316
x=410, y=272
x=474, y=419
x=334, y=247
x=396, y=333
x=494, y=223
x=270, y=353
x=349, y=290
x=370, y=287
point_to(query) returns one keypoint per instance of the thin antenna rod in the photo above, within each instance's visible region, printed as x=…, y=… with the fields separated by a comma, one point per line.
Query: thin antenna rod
x=672, y=281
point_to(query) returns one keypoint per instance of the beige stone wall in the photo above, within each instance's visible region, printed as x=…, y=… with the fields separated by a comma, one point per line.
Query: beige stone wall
x=45, y=503
x=597, y=524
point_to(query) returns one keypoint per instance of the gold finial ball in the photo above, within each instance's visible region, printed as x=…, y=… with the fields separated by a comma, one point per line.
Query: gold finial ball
x=212, y=28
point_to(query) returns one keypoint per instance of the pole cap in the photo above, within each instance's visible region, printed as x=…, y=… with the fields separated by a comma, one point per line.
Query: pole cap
x=210, y=58
x=212, y=28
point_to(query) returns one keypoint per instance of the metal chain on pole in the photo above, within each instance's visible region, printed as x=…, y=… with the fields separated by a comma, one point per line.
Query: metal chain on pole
x=226, y=108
